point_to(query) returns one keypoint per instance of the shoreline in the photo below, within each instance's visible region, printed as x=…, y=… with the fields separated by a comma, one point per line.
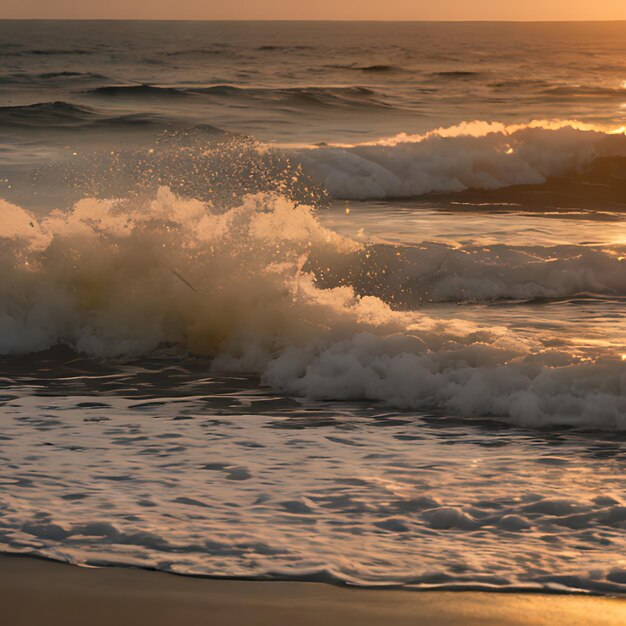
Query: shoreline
x=36, y=591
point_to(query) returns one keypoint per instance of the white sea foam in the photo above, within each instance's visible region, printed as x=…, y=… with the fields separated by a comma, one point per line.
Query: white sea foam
x=408, y=276
x=224, y=481
x=122, y=278
x=476, y=155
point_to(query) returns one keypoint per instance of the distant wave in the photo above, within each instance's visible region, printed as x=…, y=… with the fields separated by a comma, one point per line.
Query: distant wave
x=455, y=74
x=377, y=68
x=61, y=77
x=45, y=112
x=584, y=92
x=476, y=155
x=136, y=91
x=325, y=96
x=381, y=68
x=61, y=115
x=66, y=74
x=208, y=50
x=273, y=48
x=57, y=51
x=524, y=84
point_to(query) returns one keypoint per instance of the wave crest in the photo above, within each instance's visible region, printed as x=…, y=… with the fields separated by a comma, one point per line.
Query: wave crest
x=124, y=278
x=477, y=155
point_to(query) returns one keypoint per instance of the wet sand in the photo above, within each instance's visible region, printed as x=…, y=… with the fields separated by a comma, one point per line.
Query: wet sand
x=34, y=592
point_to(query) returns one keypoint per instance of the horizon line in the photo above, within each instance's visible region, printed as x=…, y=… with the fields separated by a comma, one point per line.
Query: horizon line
x=337, y=20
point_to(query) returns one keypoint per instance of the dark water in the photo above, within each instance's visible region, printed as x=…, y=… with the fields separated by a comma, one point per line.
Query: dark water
x=308, y=82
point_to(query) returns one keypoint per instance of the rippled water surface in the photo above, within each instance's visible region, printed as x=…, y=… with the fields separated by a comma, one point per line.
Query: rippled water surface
x=173, y=467
x=340, y=302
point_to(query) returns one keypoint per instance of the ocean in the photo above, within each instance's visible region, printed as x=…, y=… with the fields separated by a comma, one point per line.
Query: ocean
x=323, y=301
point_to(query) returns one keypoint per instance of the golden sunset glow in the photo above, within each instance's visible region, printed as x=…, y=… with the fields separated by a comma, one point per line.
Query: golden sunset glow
x=318, y=305
x=452, y=10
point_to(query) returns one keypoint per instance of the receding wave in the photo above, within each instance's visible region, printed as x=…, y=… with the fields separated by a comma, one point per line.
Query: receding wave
x=123, y=278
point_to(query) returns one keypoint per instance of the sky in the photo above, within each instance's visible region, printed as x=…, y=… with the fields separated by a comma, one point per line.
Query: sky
x=319, y=9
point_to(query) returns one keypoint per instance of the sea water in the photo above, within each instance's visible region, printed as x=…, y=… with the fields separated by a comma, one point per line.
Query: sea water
x=318, y=301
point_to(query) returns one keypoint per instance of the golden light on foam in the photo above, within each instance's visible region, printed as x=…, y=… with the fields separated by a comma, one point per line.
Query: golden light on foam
x=476, y=128
x=623, y=357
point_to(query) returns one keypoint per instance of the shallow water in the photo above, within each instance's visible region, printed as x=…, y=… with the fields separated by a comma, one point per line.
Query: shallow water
x=170, y=466
x=544, y=275
x=380, y=341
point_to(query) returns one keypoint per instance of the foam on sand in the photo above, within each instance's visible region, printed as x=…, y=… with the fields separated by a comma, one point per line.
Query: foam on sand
x=157, y=598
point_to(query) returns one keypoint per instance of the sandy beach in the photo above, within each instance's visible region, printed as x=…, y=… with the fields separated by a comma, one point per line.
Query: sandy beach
x=331, y=295
x=35, y=592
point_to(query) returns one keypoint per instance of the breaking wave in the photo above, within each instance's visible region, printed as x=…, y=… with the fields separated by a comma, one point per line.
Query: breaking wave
x=127, y=278
x=413, y=275
x=477, y=155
